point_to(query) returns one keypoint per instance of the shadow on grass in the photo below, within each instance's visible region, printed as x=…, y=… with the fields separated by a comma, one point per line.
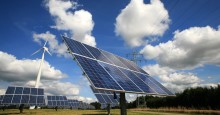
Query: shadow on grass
x=10, y=113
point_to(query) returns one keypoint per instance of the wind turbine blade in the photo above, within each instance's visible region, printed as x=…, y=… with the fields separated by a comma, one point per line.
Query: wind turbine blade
x=45, y=43
x=36, y=51
x=48, y=52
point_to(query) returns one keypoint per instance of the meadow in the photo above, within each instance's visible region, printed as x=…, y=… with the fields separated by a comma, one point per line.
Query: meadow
x=103, y=112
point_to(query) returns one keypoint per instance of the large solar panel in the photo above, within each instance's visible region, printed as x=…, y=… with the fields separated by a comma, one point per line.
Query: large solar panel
x=106, y=97
x=60, y=101
x=107, y=71
x=24, y=95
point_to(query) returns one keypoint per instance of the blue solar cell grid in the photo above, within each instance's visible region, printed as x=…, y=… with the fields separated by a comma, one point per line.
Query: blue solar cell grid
x=97, y=74
x=73, y=103
x=57, y=101
x=97, y=54
x=122, y=80
x=23, y=95
x=1, y=99
x=138, y=81
x=113, y=59
x=77, y=47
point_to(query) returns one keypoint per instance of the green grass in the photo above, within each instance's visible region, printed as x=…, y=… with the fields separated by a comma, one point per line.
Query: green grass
x=83, y=112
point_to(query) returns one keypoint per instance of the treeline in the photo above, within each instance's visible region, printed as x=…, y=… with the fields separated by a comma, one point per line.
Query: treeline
x=198, y=98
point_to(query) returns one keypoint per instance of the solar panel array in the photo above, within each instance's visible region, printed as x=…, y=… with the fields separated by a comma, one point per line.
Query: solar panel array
x=106, y=97
x=1, y=99
x=107, y=71
x=73, y=103
x=60, y=101
x=24, y=95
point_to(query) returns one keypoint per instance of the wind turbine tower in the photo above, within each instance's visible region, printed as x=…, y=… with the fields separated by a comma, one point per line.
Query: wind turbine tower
x=44, y=48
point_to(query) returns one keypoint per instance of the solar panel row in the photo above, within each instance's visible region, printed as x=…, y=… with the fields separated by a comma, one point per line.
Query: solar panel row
x=73, y=103
x=110, y=72
x=1, y=99
x=57, y=101
x=23, y=95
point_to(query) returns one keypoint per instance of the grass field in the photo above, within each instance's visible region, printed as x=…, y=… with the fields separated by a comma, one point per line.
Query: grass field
x=93, y=112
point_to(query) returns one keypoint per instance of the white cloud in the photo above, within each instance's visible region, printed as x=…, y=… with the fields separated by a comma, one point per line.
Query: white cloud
x=13, y=69
x=79, y=23
x=157, y=70
x=84, y=99
x=54, y=46
x=60, y=88
x=139, y=20
x=173, y=80
x=2, y=91
x=189, y=49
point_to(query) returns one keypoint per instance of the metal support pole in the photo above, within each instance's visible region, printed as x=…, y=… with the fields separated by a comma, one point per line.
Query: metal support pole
x=123, y=104
x=108, y=109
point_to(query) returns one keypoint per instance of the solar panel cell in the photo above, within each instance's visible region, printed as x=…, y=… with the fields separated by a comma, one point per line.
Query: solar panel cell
x=16, y=99
x=7, y=99
x=100, y=98
x=161, y=86
x=18, y=90
x=26, y=90
x=34, y=91
x=10, y=90
x=99, y=77
x=40, y=99
x=77, y=47
x=97, y=54
x=138, y=81
x=106, y=98
x=113, y=59
x=25, y=99
x=33, y=99
x=123, y=80
x=40, y=92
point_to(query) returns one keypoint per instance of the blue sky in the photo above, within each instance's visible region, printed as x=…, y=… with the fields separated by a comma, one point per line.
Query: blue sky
x=179, y=40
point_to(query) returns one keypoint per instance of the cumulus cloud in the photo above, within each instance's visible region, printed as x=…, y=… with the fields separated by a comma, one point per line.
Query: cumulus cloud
x=173, y=80
x=190, y=48
x=139, y=20
x=54, y=46
x=2, y=91
x=84, y=99
x=78, y=22
x=13, y=69
x=58, y=88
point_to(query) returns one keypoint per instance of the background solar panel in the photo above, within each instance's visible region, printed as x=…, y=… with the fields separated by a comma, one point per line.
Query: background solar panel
x=73, y=103
x=23, y=95
x=119, y=73
x=106, y=97
x=1, y=99
x=60, y=101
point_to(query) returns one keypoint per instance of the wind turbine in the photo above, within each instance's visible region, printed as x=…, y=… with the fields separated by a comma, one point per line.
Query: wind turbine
x=44, y=48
